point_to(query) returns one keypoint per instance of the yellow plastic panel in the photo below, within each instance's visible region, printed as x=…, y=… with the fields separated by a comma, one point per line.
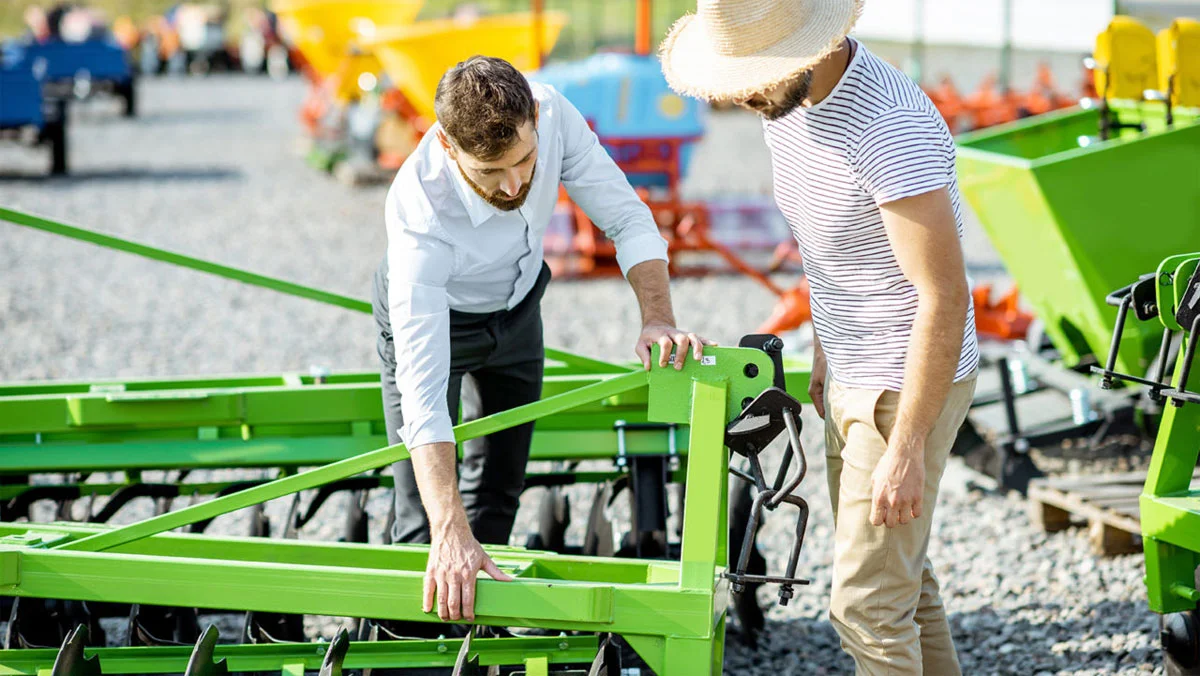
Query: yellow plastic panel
x=1125, y=60
x=1179, y=62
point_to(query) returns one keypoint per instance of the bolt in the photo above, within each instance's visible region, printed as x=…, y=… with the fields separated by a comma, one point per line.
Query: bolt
x=1166, y=279
x=751, y=370
x=563, y=645
x=320, y=650
x=441, y=647
x=1149, y=308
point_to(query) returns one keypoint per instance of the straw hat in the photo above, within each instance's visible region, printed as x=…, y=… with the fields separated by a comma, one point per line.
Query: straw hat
x=730, y=49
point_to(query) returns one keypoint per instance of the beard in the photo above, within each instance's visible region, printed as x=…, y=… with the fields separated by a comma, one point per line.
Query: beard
x=796, y=92
x=499, y=199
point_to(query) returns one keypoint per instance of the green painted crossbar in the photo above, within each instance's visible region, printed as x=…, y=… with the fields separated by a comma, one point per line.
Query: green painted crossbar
x=254, y=279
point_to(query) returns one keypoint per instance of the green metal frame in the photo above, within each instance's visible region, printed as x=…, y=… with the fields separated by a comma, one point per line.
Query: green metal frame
x=1170, y=508
x=671, y=612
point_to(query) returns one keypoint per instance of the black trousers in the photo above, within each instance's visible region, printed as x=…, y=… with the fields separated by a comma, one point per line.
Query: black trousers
x=496, y=364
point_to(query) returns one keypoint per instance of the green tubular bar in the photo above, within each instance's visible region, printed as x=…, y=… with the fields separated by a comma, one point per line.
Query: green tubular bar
x=1170, y=507
x=672, y=613
x=15, y=217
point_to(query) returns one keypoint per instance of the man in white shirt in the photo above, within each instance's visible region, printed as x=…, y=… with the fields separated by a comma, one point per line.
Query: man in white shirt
x=457, y=302
x=864, y=171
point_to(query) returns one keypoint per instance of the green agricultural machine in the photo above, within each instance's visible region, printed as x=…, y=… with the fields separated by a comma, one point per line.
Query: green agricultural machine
x=1169, y=299
x=1076, y=203
x=571, y=610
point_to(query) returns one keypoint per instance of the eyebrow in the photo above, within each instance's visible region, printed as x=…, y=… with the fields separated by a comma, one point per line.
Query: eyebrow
x=523, y=160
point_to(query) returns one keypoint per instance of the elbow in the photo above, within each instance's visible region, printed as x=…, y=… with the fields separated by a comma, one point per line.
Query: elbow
x=948, y=297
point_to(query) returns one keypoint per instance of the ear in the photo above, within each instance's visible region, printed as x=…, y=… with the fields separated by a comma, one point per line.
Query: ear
x=446, y=144
x=537, y=109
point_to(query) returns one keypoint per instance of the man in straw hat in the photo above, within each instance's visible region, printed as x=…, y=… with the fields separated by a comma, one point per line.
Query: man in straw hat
x=864, y=173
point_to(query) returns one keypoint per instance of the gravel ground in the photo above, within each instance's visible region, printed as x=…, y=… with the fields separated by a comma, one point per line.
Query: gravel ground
x=211, y=169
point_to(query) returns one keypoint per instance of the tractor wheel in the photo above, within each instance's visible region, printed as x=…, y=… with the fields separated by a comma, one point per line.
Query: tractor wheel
x=1181, y=643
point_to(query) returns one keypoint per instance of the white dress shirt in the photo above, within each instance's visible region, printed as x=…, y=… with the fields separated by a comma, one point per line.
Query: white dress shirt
x=449, y=249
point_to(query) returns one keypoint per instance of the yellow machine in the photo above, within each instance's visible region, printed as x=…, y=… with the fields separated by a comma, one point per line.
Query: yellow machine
x=414, y=57
x=329, y=34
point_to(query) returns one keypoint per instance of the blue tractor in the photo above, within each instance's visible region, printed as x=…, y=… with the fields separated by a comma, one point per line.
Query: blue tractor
x=79, y=69
x=28, y=116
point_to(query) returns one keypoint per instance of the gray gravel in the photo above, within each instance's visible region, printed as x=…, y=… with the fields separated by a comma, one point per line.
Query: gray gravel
x=211, y=169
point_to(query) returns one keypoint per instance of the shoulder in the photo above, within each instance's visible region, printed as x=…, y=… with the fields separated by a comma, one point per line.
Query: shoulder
x=554, y=109
x=885, y=95
x=422, y=193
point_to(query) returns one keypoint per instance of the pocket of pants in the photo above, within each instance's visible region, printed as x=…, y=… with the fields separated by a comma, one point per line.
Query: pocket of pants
x=853, y=406
x=883, y=415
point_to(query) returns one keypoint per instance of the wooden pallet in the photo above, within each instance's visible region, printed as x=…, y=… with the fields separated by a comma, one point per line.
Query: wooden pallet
x=1107, y=502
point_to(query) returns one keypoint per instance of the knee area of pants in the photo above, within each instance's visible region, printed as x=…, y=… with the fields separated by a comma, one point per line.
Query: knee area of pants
x=867, y=617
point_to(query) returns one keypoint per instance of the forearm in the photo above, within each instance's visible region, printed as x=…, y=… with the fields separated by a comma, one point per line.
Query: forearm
x=929, y=367
x=435, y=467
x=652, y=286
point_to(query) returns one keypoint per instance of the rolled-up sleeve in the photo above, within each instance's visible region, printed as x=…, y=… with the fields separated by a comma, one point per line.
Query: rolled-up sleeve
x=418, y=268
x=597, y=184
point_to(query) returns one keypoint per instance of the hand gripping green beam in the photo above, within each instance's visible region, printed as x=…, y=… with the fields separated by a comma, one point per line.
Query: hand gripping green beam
x=251, y=278
x=352, y=466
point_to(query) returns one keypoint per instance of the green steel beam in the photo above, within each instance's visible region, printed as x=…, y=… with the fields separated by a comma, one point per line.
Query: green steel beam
x=355, y=591
x=527, y=563
x=274, y=657
x=282, y=286
x=181, y=260
x=169, y=454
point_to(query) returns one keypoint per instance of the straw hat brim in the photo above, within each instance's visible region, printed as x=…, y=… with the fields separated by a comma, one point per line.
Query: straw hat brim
x=693, y=68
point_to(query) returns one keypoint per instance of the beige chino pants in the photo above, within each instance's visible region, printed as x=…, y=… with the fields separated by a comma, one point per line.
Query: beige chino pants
x=885, y=604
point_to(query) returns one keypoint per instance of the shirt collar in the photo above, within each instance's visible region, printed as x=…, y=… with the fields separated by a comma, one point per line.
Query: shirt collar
x=477, y=209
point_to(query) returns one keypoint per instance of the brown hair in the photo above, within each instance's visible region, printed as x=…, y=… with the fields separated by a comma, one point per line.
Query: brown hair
x=481, y=103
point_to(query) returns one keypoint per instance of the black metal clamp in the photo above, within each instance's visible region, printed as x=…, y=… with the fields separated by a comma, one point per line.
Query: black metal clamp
x=1141, y=296
x=760, y=422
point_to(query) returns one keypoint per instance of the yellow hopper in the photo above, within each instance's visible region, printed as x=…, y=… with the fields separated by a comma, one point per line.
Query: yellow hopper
x=414, y=57
x=328, y=32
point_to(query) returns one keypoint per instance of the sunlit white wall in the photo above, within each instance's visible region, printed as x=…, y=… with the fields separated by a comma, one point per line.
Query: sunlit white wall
x=1055, y=25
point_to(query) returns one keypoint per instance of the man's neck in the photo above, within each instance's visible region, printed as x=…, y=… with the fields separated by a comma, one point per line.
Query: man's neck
x=829, y=72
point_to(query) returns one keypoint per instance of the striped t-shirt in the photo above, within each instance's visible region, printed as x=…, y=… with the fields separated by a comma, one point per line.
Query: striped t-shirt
x=876, y=138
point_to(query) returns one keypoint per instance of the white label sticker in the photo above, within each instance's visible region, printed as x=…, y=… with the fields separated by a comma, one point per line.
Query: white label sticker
x=708, y=360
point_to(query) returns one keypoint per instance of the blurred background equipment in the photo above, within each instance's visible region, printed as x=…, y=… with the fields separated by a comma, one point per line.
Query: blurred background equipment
x=26, y=116
x=1057, y=195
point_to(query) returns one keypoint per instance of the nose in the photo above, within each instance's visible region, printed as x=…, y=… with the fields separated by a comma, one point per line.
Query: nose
x=511, y=183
